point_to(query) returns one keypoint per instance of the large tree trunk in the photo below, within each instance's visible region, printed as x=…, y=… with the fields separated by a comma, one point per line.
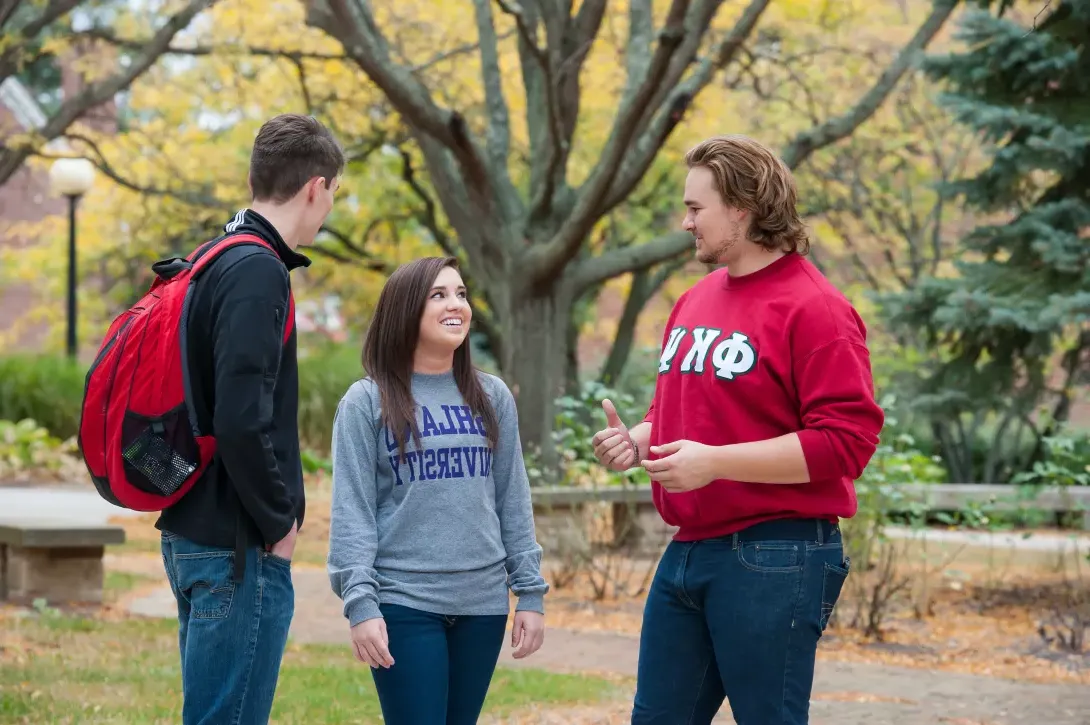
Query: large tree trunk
x=534, y=364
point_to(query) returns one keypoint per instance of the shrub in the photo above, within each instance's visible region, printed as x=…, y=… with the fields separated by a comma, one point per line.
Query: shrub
x=1066, y=462
x=46, y=389
x=28, y=451
x=325, y=374
x=49, y=391
x=578, y=418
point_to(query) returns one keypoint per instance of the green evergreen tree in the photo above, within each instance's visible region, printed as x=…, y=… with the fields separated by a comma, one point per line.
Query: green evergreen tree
x=1019, y=303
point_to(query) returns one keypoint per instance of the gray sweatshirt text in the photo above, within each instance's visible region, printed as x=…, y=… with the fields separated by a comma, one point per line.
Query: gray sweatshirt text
x=446, y=528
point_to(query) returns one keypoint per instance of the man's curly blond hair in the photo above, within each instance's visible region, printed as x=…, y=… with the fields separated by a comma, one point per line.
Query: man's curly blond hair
x=749, y=176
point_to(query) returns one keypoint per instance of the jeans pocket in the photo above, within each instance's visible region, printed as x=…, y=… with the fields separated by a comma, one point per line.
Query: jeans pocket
x=772, y=557
x=831, y=587
x=276, y=576
x=278, y=560
x=206, y=579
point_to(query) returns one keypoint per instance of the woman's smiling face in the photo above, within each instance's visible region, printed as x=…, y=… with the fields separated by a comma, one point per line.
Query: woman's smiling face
x=447, y=314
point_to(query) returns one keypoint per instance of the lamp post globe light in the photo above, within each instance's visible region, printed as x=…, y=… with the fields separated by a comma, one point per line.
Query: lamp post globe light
x=71, y=178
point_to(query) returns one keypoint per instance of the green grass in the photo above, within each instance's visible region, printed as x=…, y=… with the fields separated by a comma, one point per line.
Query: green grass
x=122, y=582
x=62, y=669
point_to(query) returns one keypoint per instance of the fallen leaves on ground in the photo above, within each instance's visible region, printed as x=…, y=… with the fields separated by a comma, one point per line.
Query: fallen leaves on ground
x=618, y=713
x=982, y=629
x=859, y=697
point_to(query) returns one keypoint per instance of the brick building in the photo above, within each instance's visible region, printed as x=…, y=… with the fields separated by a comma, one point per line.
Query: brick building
x=24, y=198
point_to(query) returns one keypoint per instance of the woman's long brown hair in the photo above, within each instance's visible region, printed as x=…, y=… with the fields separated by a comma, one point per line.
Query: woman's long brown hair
x=390, y=345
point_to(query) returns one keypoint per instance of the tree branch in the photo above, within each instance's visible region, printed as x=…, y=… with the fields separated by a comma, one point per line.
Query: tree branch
x=107, y=35
x=7, y=9
x=95, y=94
x=842, y=126
x=301, y=72
x=354, y=26
x=577, y=44
x=499, y=119
x=430, y=219
x=644, y=286
x=9, y=56
x=677, y=101
x=359, y=250
x=366, y=46
x=454, y=52
x=547, y=260
x=373, y=266
x=697, y=21
x=193, y=198
x=641, y=30
x=627, y=259
x=541, y=90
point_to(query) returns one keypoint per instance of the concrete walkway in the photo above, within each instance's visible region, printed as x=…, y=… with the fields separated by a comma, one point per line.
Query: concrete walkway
x=1038, y=541
x=844, y=693
x=82, y=505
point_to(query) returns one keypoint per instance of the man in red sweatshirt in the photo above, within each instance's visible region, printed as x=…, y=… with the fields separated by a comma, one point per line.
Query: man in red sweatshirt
x=763, y=417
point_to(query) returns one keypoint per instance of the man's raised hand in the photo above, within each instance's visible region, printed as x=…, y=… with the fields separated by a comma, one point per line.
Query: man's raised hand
x=613, y=446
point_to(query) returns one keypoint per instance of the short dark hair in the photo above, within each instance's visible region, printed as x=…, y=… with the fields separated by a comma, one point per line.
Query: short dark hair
x=290, y=150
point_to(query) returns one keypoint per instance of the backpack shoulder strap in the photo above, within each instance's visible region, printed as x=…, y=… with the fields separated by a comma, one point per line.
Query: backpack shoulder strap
x=208, y=252
x=289, y=323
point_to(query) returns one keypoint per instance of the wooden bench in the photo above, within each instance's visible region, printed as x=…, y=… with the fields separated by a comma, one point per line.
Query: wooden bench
x=59, y=561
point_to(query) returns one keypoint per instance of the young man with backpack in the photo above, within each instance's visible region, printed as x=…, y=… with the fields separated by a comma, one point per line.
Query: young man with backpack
x=762, y=418
x=206, y=363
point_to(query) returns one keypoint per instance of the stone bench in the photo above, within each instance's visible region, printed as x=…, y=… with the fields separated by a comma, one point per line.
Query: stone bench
x=54, y=559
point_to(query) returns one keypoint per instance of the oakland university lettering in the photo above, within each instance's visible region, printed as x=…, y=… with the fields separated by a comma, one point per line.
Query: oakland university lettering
x=436, y=463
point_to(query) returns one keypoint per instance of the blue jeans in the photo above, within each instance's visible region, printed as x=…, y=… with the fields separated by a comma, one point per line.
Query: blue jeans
x=231, y=634
x=738, y=617
x=442, y=666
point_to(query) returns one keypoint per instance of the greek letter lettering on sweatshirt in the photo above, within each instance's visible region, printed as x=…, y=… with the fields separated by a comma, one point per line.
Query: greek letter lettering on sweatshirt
x=447, y=527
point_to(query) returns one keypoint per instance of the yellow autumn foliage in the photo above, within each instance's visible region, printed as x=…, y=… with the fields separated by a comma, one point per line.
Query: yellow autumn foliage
x=188, y=124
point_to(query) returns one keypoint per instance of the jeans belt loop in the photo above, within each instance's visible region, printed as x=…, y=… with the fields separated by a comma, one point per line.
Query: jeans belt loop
x=820, y=533
x=734, y=541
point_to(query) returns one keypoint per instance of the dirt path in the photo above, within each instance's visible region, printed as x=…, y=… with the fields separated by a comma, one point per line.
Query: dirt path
x=845, y=693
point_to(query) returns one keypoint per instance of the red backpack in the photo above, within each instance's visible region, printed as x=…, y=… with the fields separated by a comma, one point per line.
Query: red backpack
x=138, y=432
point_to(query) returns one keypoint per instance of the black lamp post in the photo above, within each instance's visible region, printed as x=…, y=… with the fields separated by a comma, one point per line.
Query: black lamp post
x=71, y=178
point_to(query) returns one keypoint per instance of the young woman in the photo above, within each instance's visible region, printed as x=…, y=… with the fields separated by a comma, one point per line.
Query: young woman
x=431, y=517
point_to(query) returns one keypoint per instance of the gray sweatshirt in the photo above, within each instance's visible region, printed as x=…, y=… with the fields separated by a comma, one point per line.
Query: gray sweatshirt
x=446, y=528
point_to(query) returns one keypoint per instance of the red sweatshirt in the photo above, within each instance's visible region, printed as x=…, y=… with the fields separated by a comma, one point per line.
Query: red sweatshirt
x=756, y=357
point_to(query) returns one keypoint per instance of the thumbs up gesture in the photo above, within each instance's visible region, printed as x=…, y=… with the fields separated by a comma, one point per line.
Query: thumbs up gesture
x=613, y=445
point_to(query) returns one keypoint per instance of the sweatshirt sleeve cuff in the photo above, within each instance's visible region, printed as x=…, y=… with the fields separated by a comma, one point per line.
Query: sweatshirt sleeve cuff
x=820, y=461
x=531, y=602
x=276, y=533
x=360, y=610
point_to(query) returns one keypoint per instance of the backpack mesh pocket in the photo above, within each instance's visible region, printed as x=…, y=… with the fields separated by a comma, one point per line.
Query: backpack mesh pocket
x=160, y=454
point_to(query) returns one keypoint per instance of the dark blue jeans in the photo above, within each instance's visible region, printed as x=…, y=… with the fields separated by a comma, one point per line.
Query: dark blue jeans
x=738, y=617
x=442, y=666
x=231, y=634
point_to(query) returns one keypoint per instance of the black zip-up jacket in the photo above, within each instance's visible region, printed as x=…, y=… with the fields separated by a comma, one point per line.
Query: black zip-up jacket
x=245, y=387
